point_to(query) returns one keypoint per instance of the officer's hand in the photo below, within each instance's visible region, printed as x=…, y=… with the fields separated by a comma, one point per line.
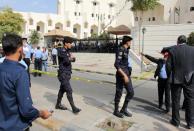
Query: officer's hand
x=73, y=59
x=45, y=114
x=130, y=70
x=126, y=79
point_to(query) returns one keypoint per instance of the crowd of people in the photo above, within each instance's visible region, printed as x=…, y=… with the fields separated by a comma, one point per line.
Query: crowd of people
x=174, y=72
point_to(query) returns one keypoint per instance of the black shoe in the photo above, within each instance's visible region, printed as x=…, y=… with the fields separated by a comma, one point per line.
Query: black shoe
x=167, y=111
x=76, y=110
x=189, y=126
x=183, y=108
x=174, y=124
x=160, y=107
x=126, y=113
x=60, y=107
x=118, y=114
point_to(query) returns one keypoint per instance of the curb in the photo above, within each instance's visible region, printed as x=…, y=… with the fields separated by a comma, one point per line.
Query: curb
x=110, y=74
x=141, y=77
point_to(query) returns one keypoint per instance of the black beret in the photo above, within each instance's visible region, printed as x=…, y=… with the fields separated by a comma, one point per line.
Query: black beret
x=24, y=38
x=126, y=39
x=68, y=39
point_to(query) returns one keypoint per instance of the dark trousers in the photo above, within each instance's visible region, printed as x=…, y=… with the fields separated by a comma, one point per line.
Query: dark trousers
x=119, y=89
x=65, y=87
x=27, y=61
x=54, y=57
x=164, y=88
x=188, y=91
x=38, y=66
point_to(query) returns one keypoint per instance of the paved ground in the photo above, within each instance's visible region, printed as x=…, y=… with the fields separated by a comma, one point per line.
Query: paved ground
x=95, y=98
x=99, y=62
x=94, y=94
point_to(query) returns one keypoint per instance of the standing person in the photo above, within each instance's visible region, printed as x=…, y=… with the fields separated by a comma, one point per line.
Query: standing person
x=54, y=56
x=123, y=77
x=32, y=53
x=16, y=110
x=60, y=47
x=64, y=75
x=181, y=71
x=163, y=85
x=44, y=59
x=38, y=61
x=27, y=55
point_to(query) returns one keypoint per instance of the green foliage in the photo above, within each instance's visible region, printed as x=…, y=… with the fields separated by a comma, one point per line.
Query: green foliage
x=10, y=22
x=143, y=5
x=191, y=39
x=34, y=37
x=94, y=35
x=104, y=35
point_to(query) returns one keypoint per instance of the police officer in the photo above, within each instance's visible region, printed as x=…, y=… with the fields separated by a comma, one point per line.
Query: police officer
x=38, y=61
x=64, y=75
x=123, y=78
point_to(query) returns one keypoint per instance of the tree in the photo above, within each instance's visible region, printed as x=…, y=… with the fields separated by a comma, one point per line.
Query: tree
x=142, y=6
x=104, y=35
x=10, y=22
x=191, y=39
x=34, y=37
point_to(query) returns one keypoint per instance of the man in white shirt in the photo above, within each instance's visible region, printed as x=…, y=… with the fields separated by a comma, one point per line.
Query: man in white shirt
x=54, y=56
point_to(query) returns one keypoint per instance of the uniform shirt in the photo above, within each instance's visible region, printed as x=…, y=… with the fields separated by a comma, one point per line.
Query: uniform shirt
x=16, y=110
x=64, y=60
x=27, y=51
x=163, y=73
x=122, y=60
x=44, y=55
x=129, y=62
x=21, y=62
x=38, y=54
x=54, y=51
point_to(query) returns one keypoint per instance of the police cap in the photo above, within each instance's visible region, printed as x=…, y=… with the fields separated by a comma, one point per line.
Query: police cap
x=126, y=39
x=68, y=39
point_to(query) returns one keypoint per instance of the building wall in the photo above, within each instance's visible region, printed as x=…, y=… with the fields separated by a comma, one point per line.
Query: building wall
x=81, y=17
x=126, y=16
x=158, y=36
x=166, y=13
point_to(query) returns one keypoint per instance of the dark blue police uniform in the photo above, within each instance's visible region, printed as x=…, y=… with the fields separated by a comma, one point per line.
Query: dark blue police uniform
x=65, y=70
x=16, y=110
x=122, y=62
x=64, y=76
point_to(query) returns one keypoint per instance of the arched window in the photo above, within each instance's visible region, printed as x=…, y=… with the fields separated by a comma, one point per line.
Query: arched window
x=86, y=25
x=154, y=19
x=49, y=22
x=77, y=2
x=68, y=23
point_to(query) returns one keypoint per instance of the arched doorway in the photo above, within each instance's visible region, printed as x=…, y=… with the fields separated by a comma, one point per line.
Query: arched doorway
x=77, y=30
x=94, y=29
x=59, y=26
x=40, y=27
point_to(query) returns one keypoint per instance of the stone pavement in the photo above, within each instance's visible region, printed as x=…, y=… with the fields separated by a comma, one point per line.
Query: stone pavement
x=103, y=63
x=93, y=113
